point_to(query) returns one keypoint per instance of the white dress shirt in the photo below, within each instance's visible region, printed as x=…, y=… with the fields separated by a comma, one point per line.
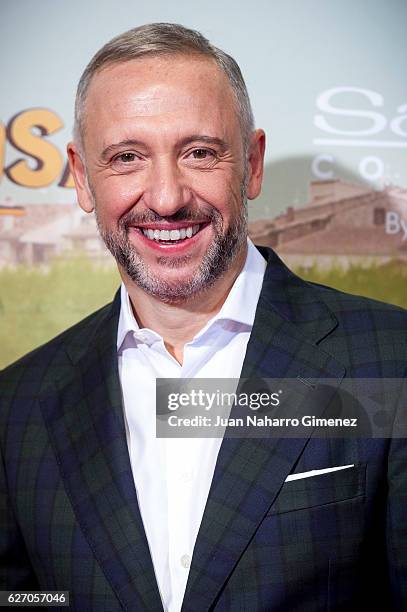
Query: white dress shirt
x=172, y=476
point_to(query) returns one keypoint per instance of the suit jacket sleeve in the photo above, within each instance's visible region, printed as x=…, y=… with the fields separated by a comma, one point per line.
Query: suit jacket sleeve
x=15, y=568
x=396, y=510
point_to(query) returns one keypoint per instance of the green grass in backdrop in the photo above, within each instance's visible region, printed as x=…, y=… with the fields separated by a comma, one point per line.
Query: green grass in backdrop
x=36, y=304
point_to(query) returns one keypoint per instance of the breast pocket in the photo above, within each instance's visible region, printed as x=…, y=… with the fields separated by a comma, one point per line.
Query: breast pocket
x=321, y=489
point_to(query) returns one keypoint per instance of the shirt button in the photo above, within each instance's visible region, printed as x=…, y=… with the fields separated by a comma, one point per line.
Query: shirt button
x=186, y=561
x=186, y=477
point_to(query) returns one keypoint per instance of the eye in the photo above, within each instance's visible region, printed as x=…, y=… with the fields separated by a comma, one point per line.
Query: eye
x=202, y=153
x=128, y=161
x=126, y=157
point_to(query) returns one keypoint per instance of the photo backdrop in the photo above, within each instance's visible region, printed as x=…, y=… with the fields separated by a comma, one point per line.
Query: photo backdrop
x=328, y=84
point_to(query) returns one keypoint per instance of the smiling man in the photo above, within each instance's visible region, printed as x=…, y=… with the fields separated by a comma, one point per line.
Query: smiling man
x=92, y=502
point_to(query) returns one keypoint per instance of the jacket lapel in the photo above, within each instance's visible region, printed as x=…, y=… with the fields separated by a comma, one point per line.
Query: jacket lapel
x=249, y=473
x=84, y=417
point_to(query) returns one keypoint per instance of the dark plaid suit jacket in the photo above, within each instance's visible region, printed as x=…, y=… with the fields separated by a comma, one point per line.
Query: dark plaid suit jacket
x=69, y=515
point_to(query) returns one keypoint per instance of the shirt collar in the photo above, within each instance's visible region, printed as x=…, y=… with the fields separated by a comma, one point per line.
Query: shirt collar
x=240, y=305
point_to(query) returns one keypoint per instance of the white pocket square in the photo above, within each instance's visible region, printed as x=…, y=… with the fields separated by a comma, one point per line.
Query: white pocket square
x=317, y=472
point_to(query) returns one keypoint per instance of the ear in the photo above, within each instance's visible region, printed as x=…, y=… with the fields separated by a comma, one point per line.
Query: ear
x=77, y=167
x=257, y=147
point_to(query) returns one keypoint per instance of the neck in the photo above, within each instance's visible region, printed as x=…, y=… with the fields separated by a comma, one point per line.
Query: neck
x=178, y=323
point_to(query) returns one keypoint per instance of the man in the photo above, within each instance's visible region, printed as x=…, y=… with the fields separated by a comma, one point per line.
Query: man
x=165, y=153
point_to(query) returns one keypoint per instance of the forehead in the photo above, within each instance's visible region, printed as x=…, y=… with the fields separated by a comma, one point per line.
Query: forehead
x=170, y=92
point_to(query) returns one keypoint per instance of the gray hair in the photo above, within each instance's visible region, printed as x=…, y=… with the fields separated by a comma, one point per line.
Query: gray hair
x=163, y=39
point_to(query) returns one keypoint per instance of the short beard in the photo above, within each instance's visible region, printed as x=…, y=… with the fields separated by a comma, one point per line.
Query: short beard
x=222, y=251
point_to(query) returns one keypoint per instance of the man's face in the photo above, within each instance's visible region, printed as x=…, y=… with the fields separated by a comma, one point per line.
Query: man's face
x=166, y=172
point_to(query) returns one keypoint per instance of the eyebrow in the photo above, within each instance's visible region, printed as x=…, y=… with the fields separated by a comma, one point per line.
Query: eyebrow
x=213, y=140
x=132, y=142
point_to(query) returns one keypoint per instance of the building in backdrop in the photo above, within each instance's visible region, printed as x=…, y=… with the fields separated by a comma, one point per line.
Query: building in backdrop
x=35, y=234
x=341, y=224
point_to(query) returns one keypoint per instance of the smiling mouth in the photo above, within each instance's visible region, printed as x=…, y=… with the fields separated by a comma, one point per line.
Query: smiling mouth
x=170, y=236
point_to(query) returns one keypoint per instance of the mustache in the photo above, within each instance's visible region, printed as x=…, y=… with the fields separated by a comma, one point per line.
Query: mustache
x=202, y=214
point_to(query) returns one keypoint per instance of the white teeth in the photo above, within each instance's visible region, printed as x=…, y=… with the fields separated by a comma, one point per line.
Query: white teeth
x=167, y=235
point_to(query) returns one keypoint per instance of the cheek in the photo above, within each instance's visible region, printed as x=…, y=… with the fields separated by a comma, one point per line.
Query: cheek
x=221, y=192
x=116, y=197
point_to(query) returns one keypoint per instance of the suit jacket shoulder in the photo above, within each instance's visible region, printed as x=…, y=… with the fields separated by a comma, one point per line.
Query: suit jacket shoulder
x=367, y=336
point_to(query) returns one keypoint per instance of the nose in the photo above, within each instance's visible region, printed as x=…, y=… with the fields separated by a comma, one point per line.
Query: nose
x=166, y=192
